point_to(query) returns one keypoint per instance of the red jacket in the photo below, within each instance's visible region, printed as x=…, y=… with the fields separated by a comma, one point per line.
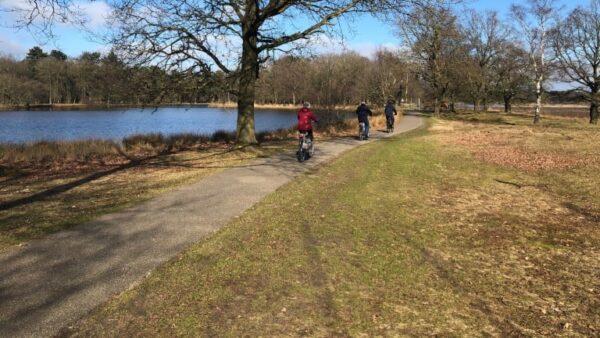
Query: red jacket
x=305, y=118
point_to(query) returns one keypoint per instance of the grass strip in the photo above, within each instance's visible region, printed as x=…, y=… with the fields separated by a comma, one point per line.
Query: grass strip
x=405, y=236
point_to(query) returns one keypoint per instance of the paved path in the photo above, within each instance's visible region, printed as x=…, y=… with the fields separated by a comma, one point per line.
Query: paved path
x=52, y=282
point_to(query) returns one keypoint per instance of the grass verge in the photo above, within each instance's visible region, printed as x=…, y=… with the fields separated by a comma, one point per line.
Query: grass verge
x=414, y=235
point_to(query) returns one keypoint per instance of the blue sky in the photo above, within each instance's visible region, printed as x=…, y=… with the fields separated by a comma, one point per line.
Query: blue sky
x=369, y=34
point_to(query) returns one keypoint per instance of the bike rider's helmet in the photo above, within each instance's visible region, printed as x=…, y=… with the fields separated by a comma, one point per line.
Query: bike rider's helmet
x=363, y=103
x=306, y=104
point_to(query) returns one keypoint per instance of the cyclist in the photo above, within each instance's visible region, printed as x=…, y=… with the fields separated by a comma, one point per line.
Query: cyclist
x=305, y=118
x=363, y=112
x=390, y=111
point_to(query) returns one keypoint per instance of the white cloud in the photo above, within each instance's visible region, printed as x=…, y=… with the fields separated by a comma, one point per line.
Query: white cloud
x=11, y=47
x=14, y=4
x=324, y=44
x=96, y=13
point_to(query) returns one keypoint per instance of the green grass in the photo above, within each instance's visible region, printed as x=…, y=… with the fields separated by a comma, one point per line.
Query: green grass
x=406, y=236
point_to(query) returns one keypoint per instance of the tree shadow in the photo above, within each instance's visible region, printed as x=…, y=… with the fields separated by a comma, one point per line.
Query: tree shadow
x=51, y=282
x=590, y=215
x=319, y=279
x=133, y=163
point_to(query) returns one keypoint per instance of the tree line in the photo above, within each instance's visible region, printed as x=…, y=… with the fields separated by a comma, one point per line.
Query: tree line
x=92, y=78
x=480, y=57
x=341, y=79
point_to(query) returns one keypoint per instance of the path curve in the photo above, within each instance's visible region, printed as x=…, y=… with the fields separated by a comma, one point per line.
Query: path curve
x=50, y=283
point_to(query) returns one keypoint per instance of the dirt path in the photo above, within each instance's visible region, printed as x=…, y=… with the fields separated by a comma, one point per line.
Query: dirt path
x=52, y=282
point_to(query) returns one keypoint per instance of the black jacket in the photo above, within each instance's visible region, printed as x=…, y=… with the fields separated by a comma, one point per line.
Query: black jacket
x=363, y=113
x=390, y=110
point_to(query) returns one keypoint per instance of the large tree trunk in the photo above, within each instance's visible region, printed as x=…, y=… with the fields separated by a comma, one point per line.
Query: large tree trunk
x=246, y=133
x=594, y=107
x=594, y=113
x=476, y=105
x=436, y=106
x=508, y=103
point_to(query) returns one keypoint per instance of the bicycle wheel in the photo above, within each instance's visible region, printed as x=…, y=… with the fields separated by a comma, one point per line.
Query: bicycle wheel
x=301, y=155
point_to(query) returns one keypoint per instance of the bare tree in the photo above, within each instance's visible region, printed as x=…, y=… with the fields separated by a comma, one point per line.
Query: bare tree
x=39, y=16
x=576, y=44
x=436, y=42
x=388, y=77
x=510, y=74
x=535, y=20
x=235, y=36
x=290, y=77
x=485, y=36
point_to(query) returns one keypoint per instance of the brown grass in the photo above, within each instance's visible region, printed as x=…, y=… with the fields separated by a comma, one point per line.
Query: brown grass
x=413, y=236
x=561, y=110
x=513, y=143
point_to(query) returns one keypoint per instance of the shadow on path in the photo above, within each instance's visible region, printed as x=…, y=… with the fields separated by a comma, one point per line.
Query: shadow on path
x=143, y=162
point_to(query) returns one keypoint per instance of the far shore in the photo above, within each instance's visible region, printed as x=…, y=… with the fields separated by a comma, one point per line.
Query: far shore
x=222, y=105
x=90, y=106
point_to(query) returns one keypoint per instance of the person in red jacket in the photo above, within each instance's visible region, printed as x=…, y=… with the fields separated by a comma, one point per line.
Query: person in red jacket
x=305, y=118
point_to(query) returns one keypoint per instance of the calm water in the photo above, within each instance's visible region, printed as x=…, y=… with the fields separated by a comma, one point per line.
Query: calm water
x=26, y=126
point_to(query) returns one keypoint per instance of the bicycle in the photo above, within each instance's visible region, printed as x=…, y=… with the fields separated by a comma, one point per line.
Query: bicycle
x=362, y=135
x=389, y=124
x=306, y=147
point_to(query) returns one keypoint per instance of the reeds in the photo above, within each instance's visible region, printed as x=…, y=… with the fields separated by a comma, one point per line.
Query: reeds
x=46, y=152
x=50, y=151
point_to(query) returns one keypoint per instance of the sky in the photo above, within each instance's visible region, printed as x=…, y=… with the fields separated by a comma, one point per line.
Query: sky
x=369, y=34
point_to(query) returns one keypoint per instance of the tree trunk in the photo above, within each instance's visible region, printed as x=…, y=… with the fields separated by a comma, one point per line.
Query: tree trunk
x=436, y=106
x=507, y=103
x=476, y=105
x=538, y=102
x=594, y=113
x=594, y=107
x=50, y=93
x=246, y=133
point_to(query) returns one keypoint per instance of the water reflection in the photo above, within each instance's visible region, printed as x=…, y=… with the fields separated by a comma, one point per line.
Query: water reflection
x=26, y=126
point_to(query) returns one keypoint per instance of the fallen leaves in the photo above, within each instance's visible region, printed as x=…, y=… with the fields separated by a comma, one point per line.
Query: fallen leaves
x=517, y=148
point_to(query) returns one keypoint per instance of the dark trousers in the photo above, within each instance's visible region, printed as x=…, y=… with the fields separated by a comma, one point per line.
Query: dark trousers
x=309, y=133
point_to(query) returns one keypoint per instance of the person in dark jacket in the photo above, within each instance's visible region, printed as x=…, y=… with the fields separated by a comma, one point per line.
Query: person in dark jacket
x=363, y=112
x=305, y=118
x=390, y=111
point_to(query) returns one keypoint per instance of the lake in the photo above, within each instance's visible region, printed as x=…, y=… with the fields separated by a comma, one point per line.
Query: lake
x=28, y=126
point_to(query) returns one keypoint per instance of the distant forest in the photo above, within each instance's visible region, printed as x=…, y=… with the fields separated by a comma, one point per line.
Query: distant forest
x=325, y=80
x=53, y=78
x=92, y=78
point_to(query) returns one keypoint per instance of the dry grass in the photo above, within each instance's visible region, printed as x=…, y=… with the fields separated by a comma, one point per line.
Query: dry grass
x=561, y=110
x=509, y=140
x=412, y=236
